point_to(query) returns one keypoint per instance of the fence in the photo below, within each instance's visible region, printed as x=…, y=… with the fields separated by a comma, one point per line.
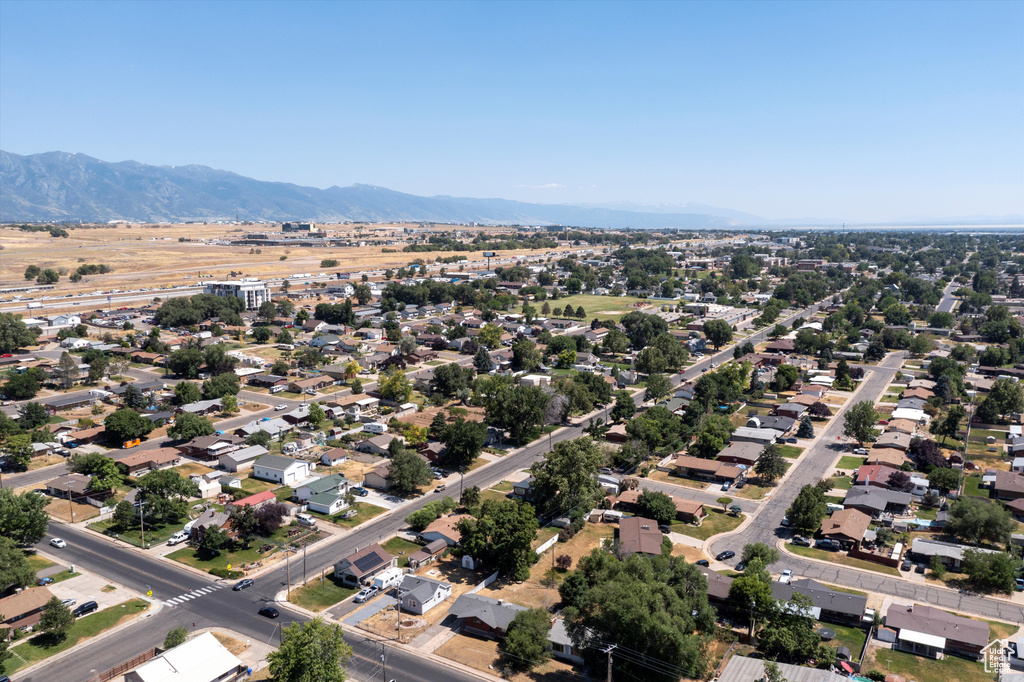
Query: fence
x=547, y=544
x=130, y=664
x=487, y=581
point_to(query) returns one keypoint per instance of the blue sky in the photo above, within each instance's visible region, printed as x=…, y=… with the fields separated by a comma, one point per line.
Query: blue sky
x=853, y=111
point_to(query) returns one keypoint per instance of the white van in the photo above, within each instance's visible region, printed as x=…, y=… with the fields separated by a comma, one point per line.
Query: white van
x=375, y=427
x=305, y=520
x=831, y=507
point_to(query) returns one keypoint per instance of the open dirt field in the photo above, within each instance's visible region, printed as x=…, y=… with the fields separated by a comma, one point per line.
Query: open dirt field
x=151, y=255
x=483, y=655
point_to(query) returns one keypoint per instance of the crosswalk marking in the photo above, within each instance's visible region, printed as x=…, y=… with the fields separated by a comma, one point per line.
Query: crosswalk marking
x=194, y=594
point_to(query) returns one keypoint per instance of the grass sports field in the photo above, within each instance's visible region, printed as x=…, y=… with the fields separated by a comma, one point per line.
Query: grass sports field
x=611, y=307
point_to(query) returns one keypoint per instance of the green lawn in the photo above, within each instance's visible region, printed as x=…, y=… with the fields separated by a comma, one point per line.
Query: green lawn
x=64, y=575
x=928, y=670
x=982, y=434
x=40, y=647
x=364, y=512
x=717, y=521
x=850, y=637
x=837, y=558
x=204, y=561
x=402, y=549
x=889, y=399
x=926, y=514
x=492, y=494
x=503, y=486
x=37, y=562
x=283, y=493
x=843, y=482
x=791, y=451
x=320, y=594
x=253, y=485
x=156, y=534
x=972, y=487
x=850, y=462
x=604, y=307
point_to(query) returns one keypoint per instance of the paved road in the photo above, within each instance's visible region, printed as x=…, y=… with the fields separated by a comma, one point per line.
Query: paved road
x=814, y=465
x=238, y=610
x=948, y=300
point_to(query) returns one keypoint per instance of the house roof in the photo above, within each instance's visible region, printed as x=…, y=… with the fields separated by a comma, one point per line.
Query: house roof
x=888, y=456
x=324, y=484
x=421, y=589
x=24, y=602
x=932, y=621
x=848, y=524
x=745, y=669
x=154, y=457
x=874, y=497
x=76, y=483
x=245, y=454
x=1009, y=482
x=637, y=534
x=902, y=425
x=277, y=462
x=823, y=597
x=447, y=526
x=200, y=658
x=428, y=550
x=494, y=613
x=367, y=559
x=253, y=500
x=876, y=473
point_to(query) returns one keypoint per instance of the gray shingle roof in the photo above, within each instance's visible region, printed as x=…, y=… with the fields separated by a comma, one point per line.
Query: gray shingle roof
x=490, y=611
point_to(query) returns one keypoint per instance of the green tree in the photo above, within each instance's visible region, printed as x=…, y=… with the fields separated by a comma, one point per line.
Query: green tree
x=860, y=420
x=525, y=356
x=310, y=652
x=14, y=333
x=711, y=436
x=22, y=517
x=615, y=342
x=785, y=377
x=32, y=271
x=502, y=537
x=990, y=572
x=267, y=311
x=490, y=335
x=175, y=636
x=520, y=410
x=526, y=640
x=229, y=404
x=221, y=385
x=751, y=592
x=23, y=386
x=770, y=466
x=165, y=495
x=15, y=570
x=482, y=361
x=106, y=475
x=789, y=633
x=356, y=386
x=185, y=362
x=974, y=520
x=259, y=438
x=32, y=415
x=657, y=506
x=808, y=509
x=658, y=386
x=944, y=479
x=806, y=429
x=718, y=332
x=56, y=620
x=245, y=524
x=758, y=550
x=214, y=540
x=566, y=478
x=66, y=371
x=395, y=386
x=624, y=407
x=1007, y=395
x=188, y=426
x=463, y=441
x=261, y=334
x=470, y=497
x=949, y=425
x=125, y=516
x=408, y=472
x=316, y=414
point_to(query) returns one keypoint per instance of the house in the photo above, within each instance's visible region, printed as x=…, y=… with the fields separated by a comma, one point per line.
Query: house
x=639, y=535
x=560, y=644
x=428, y=553
x=785, y=346
x=687, y=511
x=873, y=474
x=894, y=439
x=745, y=434
x=746, y=454
x=200, y=659
x=310, y=384
x=209, y=484
x=902, y=426
x=243, y=459
x=334, y=457
x=827, y=604
x=149, y=460
x=928, y=631
x=325, y=495
x=617, y=434
x=275, y=427
x=378, y=445
x=890, y=457
x=211, y=447
x=93, y=434
x=1016, y=508
x=746, y=669
x=688, y=466
x=268, y=380
x=75, y=487
x=210, y=519
x=874, y=501
x=846, y=526
x=255, y=501
x=360, y=567
x=279, y=469
x=23, y=609
x=418, y=594
x=444, y=528
x=69, y=402
x=793, y=410
x=951, y=554
x=1008, y=485
x=523, y=490
x=484, y=616
x=379, y=478
x=781, y=425
x=203, y=407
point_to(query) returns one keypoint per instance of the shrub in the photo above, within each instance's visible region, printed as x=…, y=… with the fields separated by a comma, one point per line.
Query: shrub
x=225, y=573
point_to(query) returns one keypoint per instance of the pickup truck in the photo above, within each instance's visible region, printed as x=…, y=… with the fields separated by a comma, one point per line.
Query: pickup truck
x=178, y=538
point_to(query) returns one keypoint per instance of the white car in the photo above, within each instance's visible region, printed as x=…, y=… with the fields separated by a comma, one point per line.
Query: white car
x=278, y=408
x=786, y=577
x=58, y=543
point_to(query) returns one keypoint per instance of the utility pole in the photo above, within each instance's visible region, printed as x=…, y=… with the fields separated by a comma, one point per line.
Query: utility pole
x=609, y=652
x=304, y=563
x=142, y=521
x=383, y=664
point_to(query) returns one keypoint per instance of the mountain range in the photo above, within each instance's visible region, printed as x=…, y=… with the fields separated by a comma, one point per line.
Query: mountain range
x=63, y=186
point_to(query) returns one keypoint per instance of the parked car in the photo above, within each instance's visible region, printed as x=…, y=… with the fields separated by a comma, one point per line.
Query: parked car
x=832, y=545
x=278, y=408
x=242, y=584
x=801, y=541
x=366, y=594
x=740, y=483
x=178, y=538
x=360, y=491
x=727, y=554
x=58, y=543
x=726, y=485
x=68, y=602
x=45, y=581
x=440, y=488
x=702, y=562
x=741, y=565
x=786, y=577
x=269, y=612
x=87, y=607
x=906, y=565
x=785, y=521
x=860, y=451
x=790, y=440
x=665, y=529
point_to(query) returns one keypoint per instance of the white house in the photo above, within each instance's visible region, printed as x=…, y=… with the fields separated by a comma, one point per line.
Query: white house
x=283, y=470
x=418, y=595
x=240, y=460
x=200, y=659
x=209, y=484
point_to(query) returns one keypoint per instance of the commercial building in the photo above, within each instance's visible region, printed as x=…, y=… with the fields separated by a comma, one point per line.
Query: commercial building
x=253, y=291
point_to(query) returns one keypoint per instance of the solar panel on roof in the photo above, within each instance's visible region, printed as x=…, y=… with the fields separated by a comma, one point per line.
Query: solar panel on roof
x=367, y=562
